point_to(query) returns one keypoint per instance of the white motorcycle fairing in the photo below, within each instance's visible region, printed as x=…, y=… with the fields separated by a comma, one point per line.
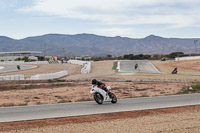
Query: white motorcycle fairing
x=96, y=89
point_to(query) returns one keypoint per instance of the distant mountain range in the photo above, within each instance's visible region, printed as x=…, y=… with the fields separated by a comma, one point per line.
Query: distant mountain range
x=94, y=45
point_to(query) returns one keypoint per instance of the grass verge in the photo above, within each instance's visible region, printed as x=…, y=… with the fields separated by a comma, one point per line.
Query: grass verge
x=192, y=89
x=114, y=65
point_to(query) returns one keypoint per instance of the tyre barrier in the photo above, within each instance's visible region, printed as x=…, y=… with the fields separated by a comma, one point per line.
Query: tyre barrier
x=54, y=62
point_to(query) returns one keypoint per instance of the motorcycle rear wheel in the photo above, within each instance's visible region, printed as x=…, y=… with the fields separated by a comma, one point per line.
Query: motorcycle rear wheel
x=98, y=98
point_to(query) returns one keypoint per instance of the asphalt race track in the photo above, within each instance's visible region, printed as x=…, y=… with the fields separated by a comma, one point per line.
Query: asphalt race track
x=144, y=66
x=21, y=113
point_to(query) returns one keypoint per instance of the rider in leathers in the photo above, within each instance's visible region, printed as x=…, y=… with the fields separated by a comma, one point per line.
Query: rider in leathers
x=100, y=85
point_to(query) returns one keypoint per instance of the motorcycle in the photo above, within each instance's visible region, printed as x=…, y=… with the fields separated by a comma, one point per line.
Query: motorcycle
x=175, y=71
x=101, y=95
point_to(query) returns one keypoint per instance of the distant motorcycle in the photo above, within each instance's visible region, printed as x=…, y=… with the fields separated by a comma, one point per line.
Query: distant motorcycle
x=175, y=71
x=100, y=95
x=136, y=66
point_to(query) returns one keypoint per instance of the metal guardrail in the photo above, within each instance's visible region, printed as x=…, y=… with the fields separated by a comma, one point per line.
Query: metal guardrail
x=86, y=65
x=36, y=77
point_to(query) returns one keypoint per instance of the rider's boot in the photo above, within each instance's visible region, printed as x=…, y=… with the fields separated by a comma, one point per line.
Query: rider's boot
x=109, y=94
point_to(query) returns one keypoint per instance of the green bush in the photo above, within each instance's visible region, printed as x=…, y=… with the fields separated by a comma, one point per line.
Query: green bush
x=196, y=87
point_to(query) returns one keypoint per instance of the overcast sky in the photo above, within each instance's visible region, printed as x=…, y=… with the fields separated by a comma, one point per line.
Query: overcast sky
x=126, y=18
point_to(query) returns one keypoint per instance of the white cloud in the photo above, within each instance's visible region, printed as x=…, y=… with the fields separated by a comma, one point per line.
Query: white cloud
x=114, y=31
x=177, y=13
x=7, y=4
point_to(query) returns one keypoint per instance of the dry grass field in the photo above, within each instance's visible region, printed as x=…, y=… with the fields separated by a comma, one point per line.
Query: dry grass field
x=76, y=87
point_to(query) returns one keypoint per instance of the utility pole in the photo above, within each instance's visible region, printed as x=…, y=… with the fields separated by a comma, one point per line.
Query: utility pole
x=195, y=43
x=162, y=51
x=64, y=52
x=45, y=46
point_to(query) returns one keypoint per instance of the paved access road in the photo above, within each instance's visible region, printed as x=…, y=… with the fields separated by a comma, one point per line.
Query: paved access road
x=144, y=66
x=9, y=114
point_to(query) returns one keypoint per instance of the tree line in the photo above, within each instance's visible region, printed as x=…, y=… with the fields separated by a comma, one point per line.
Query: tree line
x=143, y=56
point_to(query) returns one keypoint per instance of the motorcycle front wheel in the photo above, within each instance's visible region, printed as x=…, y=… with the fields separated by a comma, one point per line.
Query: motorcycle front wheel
x=114, y=98
x=98, y=98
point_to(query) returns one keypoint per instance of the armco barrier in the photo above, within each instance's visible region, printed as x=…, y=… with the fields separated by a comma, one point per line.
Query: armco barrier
x=49, y=76
x=37, y=62
x=187, y=58
x=86, y=65
x=12, y=77
x=86, y=68
x=35, y=77
x=11, y=62
x=118, y=66
x=22, y=62
x=77, y=62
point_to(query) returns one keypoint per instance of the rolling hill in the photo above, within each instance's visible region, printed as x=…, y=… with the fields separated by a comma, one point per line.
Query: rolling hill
x=94, y=45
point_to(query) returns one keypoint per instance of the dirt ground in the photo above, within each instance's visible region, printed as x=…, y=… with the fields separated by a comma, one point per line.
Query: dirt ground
x=184, y=67
x=125, y=85
x=79, y=91
x=100, y=69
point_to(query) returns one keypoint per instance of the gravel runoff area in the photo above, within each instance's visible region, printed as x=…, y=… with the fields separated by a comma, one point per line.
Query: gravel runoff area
x=184, y=119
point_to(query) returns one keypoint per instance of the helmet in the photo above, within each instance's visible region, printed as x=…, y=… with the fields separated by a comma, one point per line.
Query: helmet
x=108, y=87
x=94, y=81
